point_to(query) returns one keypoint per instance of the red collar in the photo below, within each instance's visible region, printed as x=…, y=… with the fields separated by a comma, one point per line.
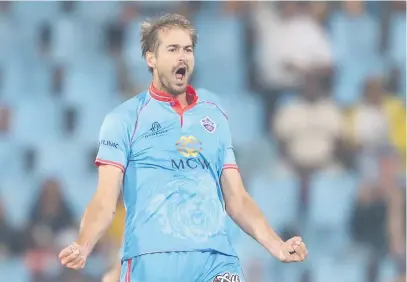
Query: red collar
x=162, y=96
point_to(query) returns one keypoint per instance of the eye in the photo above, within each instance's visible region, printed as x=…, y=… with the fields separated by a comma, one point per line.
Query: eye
x=189, y=50
x=171, y=50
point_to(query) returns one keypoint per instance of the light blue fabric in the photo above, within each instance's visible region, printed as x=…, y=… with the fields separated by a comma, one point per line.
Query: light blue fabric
x=172, y=164
x=182, y=266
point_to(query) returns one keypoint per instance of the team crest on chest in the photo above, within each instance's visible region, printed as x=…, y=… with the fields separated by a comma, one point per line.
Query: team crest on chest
x=208, y=124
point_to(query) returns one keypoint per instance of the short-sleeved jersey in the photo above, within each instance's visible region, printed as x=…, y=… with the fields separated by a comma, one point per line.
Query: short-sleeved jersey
x=172, y=159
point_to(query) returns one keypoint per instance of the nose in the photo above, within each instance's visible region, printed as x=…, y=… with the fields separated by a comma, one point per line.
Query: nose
x=182, y=55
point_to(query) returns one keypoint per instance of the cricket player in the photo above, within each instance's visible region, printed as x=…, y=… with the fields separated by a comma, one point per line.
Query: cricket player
x=170, y=150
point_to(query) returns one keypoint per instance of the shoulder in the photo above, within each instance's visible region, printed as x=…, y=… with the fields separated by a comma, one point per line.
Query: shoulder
x=211, y=99
x=206, y=95
x=128, y=111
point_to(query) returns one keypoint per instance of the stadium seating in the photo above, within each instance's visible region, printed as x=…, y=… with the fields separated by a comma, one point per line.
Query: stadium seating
x=247, y=128
x=63, y=157
x=69, y=39
x=18, y=196
x=220, y=68
x=387, y=269
x=35, y=120
x=132, y=52
x=103, y=12
x=355, y=44
x=79, y=191
x=352, y=269
x=14, y=270
x=397, y=44
x=278, y=197
x=90, y=89
x=397, y=49
x=89, y=79
x=331, y=201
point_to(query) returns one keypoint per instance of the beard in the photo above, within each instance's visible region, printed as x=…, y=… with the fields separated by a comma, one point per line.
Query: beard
x=170, y=87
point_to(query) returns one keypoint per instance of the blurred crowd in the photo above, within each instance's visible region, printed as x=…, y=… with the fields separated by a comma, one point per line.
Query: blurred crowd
x=315, y=92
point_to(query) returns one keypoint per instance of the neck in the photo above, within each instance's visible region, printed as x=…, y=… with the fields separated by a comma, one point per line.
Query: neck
x=182, y=98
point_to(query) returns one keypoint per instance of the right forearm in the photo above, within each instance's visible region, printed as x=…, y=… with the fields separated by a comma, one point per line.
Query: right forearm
x=251, y=220
x=95, y=221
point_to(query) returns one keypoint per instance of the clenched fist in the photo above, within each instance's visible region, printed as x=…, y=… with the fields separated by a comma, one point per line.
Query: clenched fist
x=74, y=256
x=293, y=250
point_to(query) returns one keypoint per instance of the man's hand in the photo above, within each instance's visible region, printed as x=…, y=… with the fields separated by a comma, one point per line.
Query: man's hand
x=96, y=219
x=248, y=216
x=74, y=256
x=292, y=250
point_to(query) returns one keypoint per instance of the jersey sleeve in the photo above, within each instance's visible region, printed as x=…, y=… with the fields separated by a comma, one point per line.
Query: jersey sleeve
x=229, y=160
x=114, y=142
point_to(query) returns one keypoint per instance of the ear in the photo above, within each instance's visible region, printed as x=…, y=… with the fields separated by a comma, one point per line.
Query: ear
x=151, y=59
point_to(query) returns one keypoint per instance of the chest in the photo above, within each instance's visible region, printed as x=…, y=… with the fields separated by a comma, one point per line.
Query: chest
x=165, y=132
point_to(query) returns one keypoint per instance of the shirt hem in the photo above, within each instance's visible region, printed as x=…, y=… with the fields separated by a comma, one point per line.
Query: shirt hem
x=125, y=258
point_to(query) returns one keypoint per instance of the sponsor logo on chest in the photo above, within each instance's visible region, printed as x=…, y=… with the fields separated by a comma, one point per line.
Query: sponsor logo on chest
x=155, y=130
x=190, y=149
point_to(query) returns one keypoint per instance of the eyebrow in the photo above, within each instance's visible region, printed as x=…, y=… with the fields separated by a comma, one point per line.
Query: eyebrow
x=178, y=46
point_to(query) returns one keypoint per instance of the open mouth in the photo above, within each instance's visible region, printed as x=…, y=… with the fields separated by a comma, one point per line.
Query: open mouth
x=180, y=73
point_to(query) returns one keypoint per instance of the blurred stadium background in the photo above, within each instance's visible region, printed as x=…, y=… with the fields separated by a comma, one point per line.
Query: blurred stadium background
x=316, y=96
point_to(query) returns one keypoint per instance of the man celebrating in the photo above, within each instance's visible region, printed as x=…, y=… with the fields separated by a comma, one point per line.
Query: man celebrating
x=170, y=149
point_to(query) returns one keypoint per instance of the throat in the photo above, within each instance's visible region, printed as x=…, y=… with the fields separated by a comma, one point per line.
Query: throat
x=182, y=99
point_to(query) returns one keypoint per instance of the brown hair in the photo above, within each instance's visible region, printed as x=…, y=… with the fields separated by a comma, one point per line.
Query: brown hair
x=149, y=31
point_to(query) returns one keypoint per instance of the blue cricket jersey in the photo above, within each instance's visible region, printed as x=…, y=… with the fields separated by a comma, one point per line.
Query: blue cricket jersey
x=172, y=159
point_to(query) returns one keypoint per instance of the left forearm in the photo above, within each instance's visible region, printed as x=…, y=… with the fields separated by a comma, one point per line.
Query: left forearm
x=245, y=213
x=248, y=216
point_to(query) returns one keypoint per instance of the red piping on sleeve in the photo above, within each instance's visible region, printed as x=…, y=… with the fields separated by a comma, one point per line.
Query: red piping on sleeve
x=100, y=162
x=230, y=166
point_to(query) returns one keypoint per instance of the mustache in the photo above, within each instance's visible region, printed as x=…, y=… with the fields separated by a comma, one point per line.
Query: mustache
x=183, y=65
